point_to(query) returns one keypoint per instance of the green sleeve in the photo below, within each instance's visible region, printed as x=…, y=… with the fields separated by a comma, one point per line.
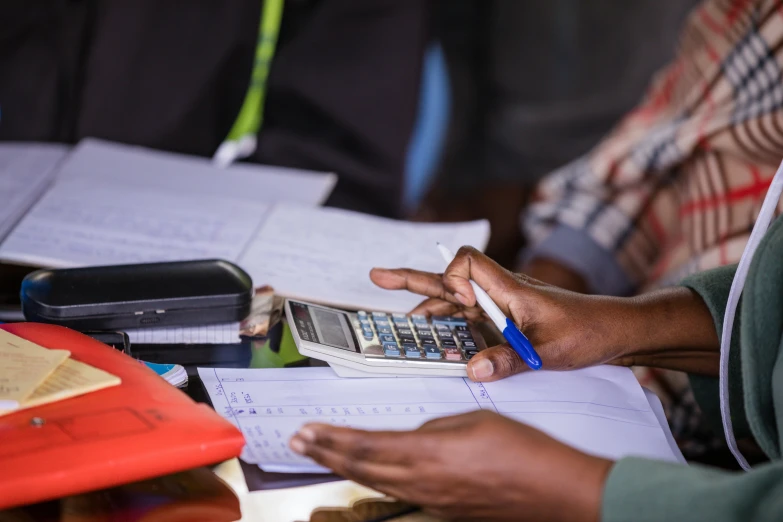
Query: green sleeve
x=713, y=287
x=645, y=490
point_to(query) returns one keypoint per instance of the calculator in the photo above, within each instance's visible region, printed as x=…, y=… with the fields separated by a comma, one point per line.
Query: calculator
x=377, y=344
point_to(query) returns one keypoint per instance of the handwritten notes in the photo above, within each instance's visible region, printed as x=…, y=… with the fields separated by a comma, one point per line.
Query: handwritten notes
x=23, y=367
x=600, y=410
x=31, y=375
x=68, y=380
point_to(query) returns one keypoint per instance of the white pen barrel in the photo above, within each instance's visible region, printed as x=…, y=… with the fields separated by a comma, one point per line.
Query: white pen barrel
x=489, y=306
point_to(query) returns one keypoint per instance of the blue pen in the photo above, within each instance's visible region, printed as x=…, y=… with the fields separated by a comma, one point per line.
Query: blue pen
x=515, y=338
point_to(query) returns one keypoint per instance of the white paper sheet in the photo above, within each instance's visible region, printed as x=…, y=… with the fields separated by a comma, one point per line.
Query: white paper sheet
x=114, y=204
x=325, y=255
x=26, y=170
x=600, y=410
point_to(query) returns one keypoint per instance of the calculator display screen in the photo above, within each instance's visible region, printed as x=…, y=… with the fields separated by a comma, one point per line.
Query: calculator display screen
x=323, y=326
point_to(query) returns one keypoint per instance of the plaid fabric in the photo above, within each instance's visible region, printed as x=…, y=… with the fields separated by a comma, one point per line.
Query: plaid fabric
x=676, y=187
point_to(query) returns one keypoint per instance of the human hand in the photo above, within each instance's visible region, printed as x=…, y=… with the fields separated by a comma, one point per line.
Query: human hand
x=475, y=466
x=567, y=329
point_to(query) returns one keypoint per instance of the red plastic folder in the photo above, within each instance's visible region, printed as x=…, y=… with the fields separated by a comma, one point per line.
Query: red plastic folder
x=141, y=429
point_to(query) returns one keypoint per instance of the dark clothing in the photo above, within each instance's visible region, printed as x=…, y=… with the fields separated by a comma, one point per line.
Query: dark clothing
x=342, y=96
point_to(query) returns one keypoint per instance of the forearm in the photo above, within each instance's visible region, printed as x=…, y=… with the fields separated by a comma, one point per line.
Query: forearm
x=670, y=329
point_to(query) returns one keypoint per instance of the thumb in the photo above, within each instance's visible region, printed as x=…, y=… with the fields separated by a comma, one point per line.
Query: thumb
x=494, y=364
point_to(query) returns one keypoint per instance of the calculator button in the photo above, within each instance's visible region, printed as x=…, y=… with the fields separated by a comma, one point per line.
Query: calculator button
x=419, y=319
x=469, y=355
x=387, y=338
x=448, y=343
x=461, y=328
x=407, y=339
x=411, y=351
x=441, y=327
x=432, y=352
x=384, y=330
x=379, y=315
x=361, y=313
x=404, y=331
x=425, y=334
x=452, y=354
x=469, y=345
x=369, y=336
x=428, y=342
x=391, y=350
x=400, y=316
x=364, y=322
x=464, y=335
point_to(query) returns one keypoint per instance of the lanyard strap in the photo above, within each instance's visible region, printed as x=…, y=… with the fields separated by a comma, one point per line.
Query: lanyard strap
x=766, y=215
x=241, y=139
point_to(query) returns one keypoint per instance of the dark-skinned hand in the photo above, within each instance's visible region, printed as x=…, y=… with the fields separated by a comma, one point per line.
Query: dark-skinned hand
x=563, y=326
x=475, y=466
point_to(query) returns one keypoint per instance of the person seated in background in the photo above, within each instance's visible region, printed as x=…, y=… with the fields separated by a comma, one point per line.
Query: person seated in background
x=341, y=95
x=483, y=466
x=534, y=85
x=676, y=187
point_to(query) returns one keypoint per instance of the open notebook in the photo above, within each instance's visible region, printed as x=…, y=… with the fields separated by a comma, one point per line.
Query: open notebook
x=601, y=410
x=114, y=204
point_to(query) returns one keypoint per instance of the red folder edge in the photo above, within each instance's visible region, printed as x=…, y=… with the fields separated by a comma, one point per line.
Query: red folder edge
x=141, y=429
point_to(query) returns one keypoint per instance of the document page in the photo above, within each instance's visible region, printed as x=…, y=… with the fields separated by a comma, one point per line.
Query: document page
x=601, y=410
x=325, y=255
x=26, y=170
x=115, y=204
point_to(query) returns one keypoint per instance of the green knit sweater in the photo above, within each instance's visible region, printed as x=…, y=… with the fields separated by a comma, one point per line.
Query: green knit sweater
x=643, y=490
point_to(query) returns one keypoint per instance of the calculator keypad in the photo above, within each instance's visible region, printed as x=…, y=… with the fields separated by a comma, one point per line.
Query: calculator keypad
x=416, y=337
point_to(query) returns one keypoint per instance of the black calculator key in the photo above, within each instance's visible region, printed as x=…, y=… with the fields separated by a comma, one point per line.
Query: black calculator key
x=425, y=334
x=445, y=335
x=387, y=338
x=442, y=327
x=461, y=328
x=428, y=342
x=404, y=331
x=407, y=339
x=432, y=352
x=469, y=355
x=464, y=335
x=448, y=343
x=469, y=344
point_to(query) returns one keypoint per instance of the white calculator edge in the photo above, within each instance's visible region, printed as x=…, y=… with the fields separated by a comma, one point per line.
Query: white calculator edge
x=350, y=359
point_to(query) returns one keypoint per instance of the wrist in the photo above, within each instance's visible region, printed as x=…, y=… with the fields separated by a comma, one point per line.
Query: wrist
x=670, y=329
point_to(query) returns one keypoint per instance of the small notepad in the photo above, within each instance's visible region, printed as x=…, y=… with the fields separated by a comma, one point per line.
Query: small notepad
x=24, y=366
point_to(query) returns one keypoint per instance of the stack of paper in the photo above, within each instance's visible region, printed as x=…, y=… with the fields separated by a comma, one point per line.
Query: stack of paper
x=114, y=204
x=602, y=410
x=31, y=375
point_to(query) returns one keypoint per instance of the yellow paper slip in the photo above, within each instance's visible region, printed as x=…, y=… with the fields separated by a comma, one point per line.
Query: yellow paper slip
x=70, y=379
x=24, y=366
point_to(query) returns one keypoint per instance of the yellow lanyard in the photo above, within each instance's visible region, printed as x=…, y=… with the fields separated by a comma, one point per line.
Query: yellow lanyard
x=241, y=139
